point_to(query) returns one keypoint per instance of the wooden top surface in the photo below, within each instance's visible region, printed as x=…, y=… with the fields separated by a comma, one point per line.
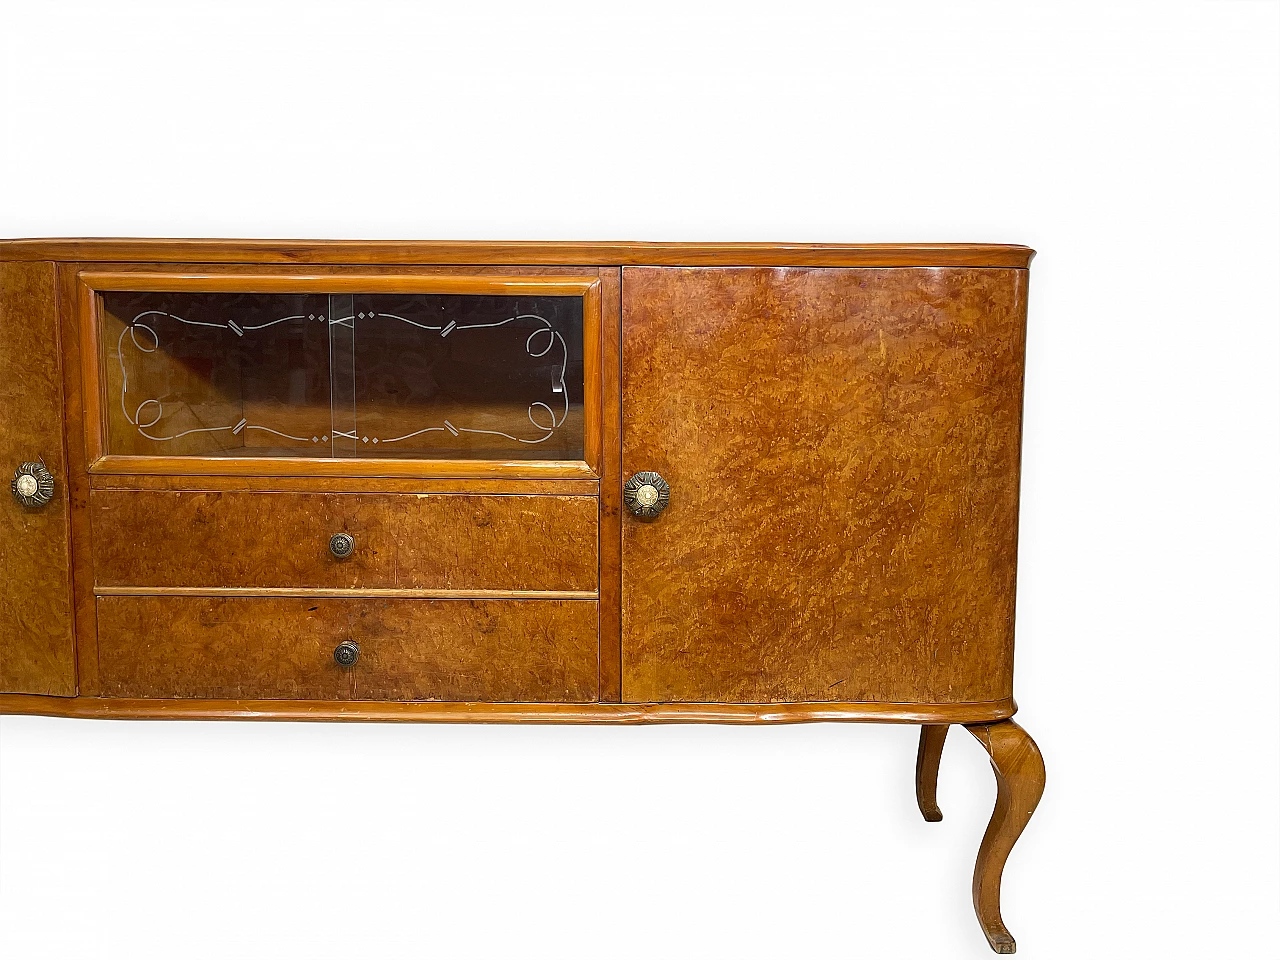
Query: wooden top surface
x=521, y=252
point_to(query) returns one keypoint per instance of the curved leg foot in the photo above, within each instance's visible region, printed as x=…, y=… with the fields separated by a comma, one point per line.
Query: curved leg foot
x=932, y=737
x=1019, y=770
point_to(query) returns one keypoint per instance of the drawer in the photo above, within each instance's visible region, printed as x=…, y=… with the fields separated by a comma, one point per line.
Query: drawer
x=282, y=648
x=156, y=538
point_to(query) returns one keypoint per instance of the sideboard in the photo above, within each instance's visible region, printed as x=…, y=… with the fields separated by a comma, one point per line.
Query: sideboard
x=520, y=482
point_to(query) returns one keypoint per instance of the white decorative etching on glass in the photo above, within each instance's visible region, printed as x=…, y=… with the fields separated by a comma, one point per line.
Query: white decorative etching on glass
x=148, y=414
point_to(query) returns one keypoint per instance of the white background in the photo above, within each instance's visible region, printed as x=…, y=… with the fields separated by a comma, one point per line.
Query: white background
x=1136, y=146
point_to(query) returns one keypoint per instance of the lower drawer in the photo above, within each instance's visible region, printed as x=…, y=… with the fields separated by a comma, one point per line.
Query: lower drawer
x=282, y=648
x=165, y=538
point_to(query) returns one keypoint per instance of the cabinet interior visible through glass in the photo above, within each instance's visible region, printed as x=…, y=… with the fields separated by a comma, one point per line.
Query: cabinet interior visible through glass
x=420, y=376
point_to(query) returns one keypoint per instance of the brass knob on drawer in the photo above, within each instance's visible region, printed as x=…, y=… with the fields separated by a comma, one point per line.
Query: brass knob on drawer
x=346, y=653
x=341, y=545
x=32, y=484
x=646, y=494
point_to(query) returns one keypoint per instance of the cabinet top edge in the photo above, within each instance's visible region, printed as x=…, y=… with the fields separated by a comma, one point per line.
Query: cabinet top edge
x=519, y=252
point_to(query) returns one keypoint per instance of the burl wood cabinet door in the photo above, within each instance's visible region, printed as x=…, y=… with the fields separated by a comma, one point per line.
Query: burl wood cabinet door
x=37, y=649
x=842, y=449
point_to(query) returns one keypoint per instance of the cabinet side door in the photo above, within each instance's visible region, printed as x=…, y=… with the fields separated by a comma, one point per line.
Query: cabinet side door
x=842, y=449
x=37, y=646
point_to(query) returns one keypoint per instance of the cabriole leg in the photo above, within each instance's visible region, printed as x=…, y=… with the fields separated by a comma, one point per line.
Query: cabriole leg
x=1019, y=771
x=932, y=737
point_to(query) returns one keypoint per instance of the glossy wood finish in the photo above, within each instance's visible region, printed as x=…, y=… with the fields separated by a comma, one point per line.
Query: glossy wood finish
x=406, y=593
x=200, y=647
x=416, y=485
x=332, y=280
x=306, y=480
x=605, y=253
x=1019, y=770
x=425, y=542
x=353, y=467
x=354, y=281
x=77, y=486
x=928, y=756
x=842, y=448
x=268, y=648
x=501, y=650
x=858, y=425
x=611, y=488
x=610, y=713
x=37, y=644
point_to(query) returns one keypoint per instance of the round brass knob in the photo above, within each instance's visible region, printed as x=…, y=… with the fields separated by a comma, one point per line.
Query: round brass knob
x=32, y=484
x=646, y=494
x=341, y=545
x=346, y=653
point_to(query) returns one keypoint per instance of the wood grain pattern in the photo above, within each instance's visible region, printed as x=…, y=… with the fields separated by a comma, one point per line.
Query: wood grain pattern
x=430, y=541
x=840, y=425
x=419, y=711
x=198, y=647
x=340, y=281
x=592, y=378
x=340, y=268
x=37, y=643
x=83, y=600
x=611, y=488
x=343, y=467
x=580, y=488
x=842, y=448
x=928, y=757
x=478, y=650
x=604, y=253
x=407, y=593
x=1019, y=770
x=269, y=648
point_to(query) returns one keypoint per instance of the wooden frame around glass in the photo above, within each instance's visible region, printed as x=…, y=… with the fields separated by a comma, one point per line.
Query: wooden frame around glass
x=92, y=283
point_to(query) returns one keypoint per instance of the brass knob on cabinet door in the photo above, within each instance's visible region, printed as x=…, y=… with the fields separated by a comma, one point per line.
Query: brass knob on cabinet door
x=646, y=494
x=341, y=545
x=346, y=653
x=32, y=484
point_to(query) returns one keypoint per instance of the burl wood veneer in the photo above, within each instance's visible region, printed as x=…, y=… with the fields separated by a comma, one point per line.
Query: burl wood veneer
x=237, y=648
x=614, y=483
x=37, y=649
x=227, y=539
x=844, y=446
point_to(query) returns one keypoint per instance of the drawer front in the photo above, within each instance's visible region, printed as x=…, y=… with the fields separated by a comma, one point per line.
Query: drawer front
x=155, y=538
x=282, y=648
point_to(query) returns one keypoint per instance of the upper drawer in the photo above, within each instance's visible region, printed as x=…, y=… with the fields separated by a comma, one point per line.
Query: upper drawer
x=154, y=538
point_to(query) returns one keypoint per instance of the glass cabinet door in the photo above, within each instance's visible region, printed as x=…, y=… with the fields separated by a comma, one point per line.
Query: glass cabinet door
x=500, y=374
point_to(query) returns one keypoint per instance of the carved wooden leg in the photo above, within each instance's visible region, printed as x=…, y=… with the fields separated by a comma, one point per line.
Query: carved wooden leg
x=1019, y=770
x=932, y=737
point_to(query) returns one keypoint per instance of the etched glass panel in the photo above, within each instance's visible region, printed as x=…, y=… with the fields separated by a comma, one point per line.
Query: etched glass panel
x=418, y=376
x=342, y=375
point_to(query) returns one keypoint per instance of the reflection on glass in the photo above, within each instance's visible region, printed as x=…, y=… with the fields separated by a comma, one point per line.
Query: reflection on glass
x=424, y=376
x=342, y=375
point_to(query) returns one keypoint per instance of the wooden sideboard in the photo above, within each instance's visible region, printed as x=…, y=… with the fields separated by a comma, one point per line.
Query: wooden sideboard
x=520, y=482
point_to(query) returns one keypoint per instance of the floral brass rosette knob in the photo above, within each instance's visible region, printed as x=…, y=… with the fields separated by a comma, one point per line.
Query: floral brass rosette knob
x=32, y=484
x=646, y=494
